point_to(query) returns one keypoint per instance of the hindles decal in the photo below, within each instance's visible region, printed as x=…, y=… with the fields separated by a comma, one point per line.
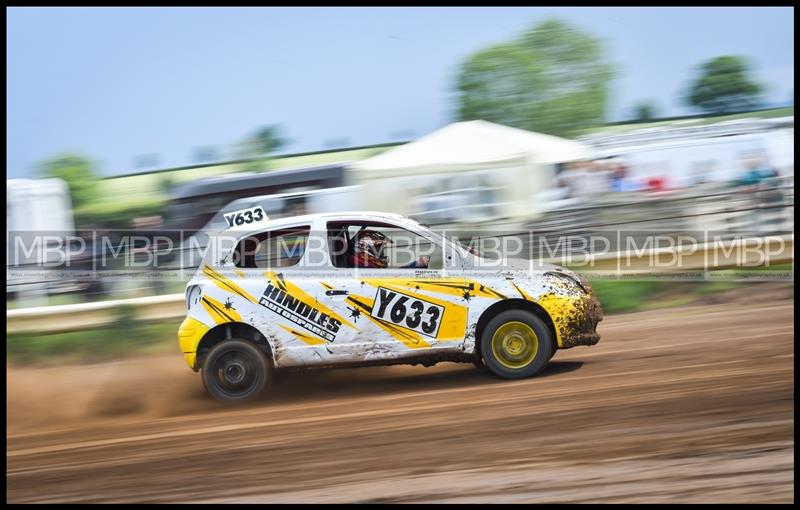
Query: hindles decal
x=304, y=315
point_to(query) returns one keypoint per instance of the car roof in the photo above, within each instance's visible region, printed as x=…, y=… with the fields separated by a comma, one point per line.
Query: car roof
x=245, y=230
x=313, y=218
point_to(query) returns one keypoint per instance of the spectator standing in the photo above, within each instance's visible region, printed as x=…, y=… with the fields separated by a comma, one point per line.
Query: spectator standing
x=620, y=180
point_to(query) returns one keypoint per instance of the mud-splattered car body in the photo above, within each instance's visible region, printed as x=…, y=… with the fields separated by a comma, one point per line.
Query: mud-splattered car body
x=292, y=303
x=310, y=313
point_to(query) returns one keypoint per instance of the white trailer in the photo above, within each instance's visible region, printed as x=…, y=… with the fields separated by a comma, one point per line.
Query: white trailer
x=38, y=220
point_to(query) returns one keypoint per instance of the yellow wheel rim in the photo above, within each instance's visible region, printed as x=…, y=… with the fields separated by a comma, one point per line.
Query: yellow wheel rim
x=515, y=344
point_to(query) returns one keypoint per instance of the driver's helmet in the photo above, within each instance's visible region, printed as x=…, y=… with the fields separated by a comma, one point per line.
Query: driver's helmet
x=369, y=249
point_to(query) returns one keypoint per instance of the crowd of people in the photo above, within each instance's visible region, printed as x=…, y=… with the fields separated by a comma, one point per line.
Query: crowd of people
x=589, y=178
x=586, y=178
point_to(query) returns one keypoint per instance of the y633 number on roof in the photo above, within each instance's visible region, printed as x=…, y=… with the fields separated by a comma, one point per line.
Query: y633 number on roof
x=245, y=216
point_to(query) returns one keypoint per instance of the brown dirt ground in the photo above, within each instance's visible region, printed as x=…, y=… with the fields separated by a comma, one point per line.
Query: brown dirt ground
x=690, y=404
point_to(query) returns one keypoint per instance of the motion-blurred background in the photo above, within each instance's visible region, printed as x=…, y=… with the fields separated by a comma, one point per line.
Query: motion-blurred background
x=566, y=123
x=538, y=123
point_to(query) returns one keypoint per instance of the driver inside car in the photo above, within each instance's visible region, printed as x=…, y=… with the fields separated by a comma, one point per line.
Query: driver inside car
x=370, y=251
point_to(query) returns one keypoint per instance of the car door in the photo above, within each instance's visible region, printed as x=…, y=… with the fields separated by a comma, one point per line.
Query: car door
x=281, y=295
x=400, y=311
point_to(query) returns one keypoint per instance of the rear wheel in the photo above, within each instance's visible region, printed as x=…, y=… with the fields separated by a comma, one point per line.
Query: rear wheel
x=236, y=371
x=516, y=344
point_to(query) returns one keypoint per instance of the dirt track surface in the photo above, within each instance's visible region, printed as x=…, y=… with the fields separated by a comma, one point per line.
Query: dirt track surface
x=680, y=405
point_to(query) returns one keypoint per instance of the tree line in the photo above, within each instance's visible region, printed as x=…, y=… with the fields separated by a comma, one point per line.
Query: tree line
x=555, y=78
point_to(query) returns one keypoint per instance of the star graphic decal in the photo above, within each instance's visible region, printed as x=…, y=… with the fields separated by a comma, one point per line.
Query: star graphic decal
x=229, y=305
x=222, y=261
x=355, y=313
x=467, y=296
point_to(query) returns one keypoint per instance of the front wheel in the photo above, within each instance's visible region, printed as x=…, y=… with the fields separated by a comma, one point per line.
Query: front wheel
x=235, y=371
x=516, y=344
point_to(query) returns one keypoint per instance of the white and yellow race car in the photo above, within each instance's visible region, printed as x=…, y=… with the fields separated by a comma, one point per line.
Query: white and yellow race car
x=368, y=288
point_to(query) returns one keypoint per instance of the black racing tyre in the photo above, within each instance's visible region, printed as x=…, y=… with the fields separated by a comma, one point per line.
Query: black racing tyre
x=236, y=371
x=516, y=344
x=478, y=362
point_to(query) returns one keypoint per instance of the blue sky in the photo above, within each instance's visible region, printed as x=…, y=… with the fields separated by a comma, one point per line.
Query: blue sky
x=117, y=83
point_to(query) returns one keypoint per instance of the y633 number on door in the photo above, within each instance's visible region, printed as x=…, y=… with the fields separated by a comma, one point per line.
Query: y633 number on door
x=408, y=312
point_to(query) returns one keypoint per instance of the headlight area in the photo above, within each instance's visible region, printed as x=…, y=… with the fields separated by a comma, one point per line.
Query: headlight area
x=584, y=283
x=574, y=279
x=193, y=294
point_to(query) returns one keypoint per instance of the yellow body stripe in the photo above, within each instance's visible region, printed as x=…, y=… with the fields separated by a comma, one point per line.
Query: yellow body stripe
x=219, y=312
x=477, y=289
x=225, y=284
x=304, y=297
x=452, y=286
x=522, y=292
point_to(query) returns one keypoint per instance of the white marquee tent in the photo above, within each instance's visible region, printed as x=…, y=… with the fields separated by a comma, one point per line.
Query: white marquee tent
x=473, y=170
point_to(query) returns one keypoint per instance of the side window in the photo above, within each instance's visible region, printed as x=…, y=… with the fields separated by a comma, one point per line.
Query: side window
x=381, y=246
x=274, y=249
x=405, y=248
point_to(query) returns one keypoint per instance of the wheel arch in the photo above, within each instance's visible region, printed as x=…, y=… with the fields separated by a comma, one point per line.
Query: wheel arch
x=228, y=330
x=513, y=304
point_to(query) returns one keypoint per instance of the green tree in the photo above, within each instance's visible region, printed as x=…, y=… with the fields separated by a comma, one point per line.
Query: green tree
x=259, y=146
x=268, y=140
x=724, y=86
x=644, y=111
x=166, y=183
x=78, y=172
x=552, y=79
